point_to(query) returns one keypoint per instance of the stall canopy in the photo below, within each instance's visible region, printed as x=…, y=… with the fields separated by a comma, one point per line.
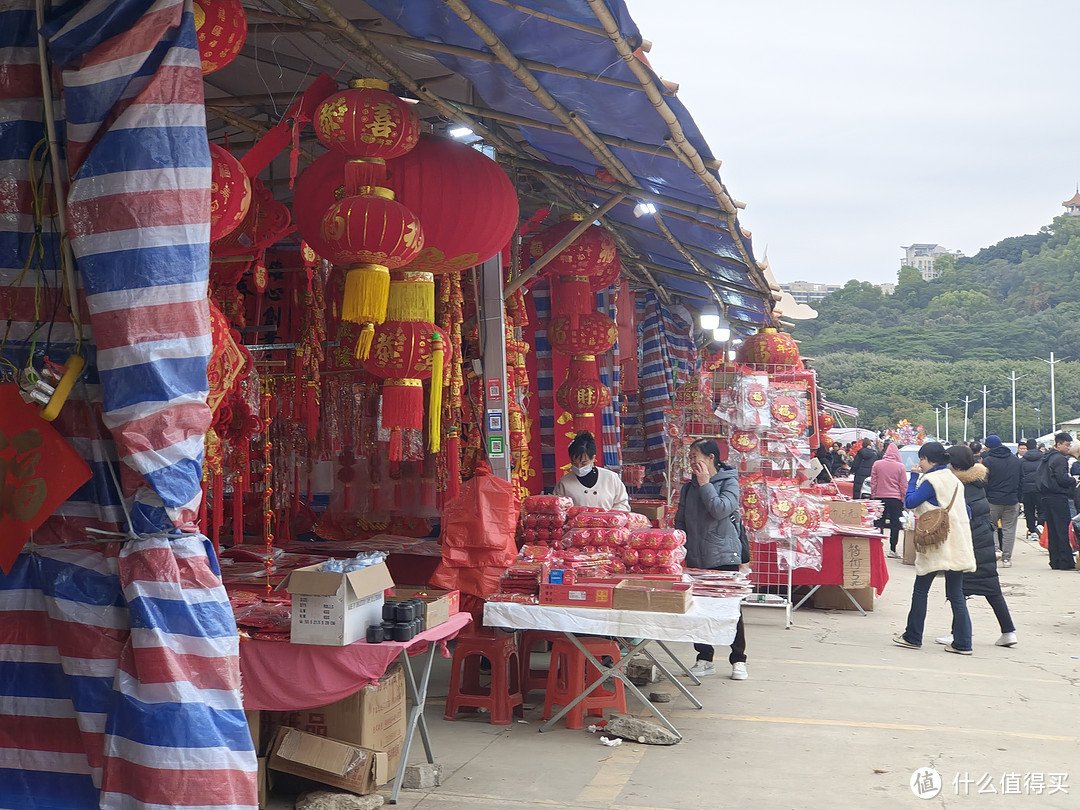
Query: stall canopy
x=565, y=94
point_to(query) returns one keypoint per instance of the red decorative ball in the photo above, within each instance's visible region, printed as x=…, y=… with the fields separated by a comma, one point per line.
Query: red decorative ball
x=402, y=349
x=367, y=121
x=595, y=334
x=591, y=254
x=221, y=28
x=825, y=422
x=230, y=193
x=467, y=203
x=770, y=348
x=371, y=229
x=582, y=393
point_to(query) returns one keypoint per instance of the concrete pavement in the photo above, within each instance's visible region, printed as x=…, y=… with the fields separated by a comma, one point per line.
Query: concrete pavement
x=833, y=716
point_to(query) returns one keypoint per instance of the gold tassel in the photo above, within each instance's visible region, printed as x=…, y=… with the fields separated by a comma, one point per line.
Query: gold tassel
x=363, y=343
x=367, y=287
x=412, y=297
x=435, y=397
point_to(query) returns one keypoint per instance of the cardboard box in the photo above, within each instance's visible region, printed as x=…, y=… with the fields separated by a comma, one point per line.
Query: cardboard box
x=847, y=513
x=264, y=782
x=332, y=762
x=651, y=510
x=335, y=609
x=588, y=596
x=439, y=605
x=830, y=597
x=657, y=596
x=909, y=547
x=373, y=717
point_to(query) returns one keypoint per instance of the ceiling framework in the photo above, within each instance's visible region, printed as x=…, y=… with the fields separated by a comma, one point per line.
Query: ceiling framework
x=305, y=37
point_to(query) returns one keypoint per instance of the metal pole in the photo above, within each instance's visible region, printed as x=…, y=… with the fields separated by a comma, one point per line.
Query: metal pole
x=947, y=406
x=493, y=357
x=937, y=422
x=1013, y=376
x=1053, y=397
x=967, y=401
x=985, y=392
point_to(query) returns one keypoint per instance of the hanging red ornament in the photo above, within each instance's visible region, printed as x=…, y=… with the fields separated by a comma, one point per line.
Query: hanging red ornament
x=370, y=125
x=825, y=422
x=582, y=394
x=591, y=254
x=266, y=222
x=230, y=193
x=221, y=28
x=318, y=187
x=596, y=333
x=769, y=347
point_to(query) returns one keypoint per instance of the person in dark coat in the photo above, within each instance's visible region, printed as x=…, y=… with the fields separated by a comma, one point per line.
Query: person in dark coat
x=1003, y=491
x=984, y=580
x=862, y=466
x=1056, y=488
x=1029, y=468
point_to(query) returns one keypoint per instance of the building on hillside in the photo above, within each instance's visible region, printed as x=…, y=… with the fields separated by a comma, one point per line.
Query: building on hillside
x=806, y=292
x=886, y=288
x=1072, y=206
x=922, y=255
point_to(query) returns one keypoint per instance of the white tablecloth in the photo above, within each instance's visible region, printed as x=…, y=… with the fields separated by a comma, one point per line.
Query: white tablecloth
x=709, y=620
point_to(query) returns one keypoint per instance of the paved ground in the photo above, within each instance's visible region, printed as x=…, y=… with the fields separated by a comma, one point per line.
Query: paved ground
x=833, y=716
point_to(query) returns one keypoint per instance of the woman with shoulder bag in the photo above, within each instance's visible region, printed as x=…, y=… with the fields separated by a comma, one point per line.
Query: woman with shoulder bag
x=709, y=514
x=934, y=486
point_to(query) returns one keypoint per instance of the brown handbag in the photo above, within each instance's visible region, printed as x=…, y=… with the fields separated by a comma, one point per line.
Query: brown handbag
x=932, y=526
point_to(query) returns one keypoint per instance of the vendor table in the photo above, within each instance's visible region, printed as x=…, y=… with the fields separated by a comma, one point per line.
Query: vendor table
x=272, y=670
x=832, y=568
x=709, y=621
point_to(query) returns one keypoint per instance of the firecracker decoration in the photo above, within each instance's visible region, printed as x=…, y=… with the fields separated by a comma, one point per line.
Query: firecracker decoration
x=755, y=513
x=221, y=28
x=230, y=193
x=309, y=355
x=367, y=231
x=268, y=489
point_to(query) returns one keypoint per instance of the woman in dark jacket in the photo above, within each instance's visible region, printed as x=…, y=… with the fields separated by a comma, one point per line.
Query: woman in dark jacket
x=984, y=580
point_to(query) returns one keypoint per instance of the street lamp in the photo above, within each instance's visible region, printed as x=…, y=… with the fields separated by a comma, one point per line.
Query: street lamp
x=1038, y=413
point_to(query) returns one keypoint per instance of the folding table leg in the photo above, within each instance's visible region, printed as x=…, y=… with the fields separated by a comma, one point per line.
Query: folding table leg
x=669, y=676
x=854, y=601
x=803, y=600
x=416, y=715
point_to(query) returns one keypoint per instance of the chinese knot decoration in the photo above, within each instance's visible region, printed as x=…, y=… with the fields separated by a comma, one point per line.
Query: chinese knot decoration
x=367, y=231
x=221, y=28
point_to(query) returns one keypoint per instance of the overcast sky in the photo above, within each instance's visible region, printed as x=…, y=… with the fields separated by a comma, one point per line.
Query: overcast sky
x=851, y=128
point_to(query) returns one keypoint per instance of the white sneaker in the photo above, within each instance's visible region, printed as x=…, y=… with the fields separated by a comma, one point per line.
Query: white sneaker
x=1006, y=563
x=738, y=671
x=1033, y=537
x=946, y=640
x=1006, y=640
x=703, y=668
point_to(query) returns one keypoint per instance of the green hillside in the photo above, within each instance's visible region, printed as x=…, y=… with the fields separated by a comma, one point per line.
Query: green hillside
x=897, y=356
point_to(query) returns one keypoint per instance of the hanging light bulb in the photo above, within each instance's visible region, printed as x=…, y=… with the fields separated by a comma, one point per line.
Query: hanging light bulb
x=710, y=317
x=731, y=355
x=722, y=334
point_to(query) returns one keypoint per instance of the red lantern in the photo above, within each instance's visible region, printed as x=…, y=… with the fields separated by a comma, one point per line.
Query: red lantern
x=318, y=187
x=372, y=235
x=596, y=333
x=403, y=354
x=825, y=422
x=369, y=124
x=608, y=277
x=230, y=193
x=770, y=347
x=588, y=256
x=582, y=393
x=465, y=200
x=221, y=28
x=266, y=221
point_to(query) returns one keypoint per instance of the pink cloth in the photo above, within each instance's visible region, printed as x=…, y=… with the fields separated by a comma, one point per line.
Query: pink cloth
x=888, y=477
x=290, y=677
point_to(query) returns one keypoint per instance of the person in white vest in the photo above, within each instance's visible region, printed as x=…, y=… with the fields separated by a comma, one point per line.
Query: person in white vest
x=932, y=485
x=589, y=485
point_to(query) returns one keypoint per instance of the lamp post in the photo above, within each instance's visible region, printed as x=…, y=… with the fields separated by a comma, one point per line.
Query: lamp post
x=937, y=422
x=967, y=401
x=1053, y=397
x=1014, y=378
x=985, y=392
x=1038, y=414
x=947, y=406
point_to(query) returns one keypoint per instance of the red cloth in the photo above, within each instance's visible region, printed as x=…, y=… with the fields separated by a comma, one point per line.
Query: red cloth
x=290, y=677
x=845, y=487
x=832, y=566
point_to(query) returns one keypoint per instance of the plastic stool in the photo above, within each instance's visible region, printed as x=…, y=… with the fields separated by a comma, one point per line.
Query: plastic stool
x=534, y=678
x=569, y=676
x=504, y=694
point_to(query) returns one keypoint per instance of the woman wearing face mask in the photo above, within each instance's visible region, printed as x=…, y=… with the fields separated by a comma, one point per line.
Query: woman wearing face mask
x=589, y=485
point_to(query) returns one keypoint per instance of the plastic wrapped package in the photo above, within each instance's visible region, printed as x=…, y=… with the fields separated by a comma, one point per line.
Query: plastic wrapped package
x=754, y=502
x=787, y=407
x=600, y=537
x=752, y=402
x=537, y=553
x=599, y=519
x=636, y=521
x=547, y=505
x=800, y=552
x=657, y=538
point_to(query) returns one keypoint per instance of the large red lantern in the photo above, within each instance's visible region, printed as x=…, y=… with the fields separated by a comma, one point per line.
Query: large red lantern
x=318, y=187
x=608, y=278
x=825, y=422
x=221, y=28
x=370, y=125
x=267, y=220
x=770, y=347
x=230, y=193
x=464, y=198
x=582, y=393
x=596, y=333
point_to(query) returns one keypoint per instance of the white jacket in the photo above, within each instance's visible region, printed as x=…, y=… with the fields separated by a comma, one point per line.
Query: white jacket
x=957, y=552
x=609, y=492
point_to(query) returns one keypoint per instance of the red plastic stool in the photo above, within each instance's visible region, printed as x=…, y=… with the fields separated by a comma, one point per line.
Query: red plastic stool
x=534, y=678
x=504, y=694
x=569, y=676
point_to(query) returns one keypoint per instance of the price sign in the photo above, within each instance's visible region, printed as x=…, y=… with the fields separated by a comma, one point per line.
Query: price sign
x=856, y=562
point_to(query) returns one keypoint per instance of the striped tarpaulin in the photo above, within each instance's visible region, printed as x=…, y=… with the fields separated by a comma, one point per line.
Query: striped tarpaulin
x=119, y=674
x=545, y=383
x=609, y=376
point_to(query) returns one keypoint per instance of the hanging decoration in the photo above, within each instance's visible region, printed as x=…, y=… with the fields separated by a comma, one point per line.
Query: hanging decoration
x=221, y=28
x=230, y=193
x=572, y=269
x=367, y=231
x=582, y=393
x=769, y=347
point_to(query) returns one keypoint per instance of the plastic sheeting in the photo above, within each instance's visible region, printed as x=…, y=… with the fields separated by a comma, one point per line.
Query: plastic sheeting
x=607, y=109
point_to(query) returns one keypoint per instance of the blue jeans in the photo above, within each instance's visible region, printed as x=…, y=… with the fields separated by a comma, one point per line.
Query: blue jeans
x=954, y=592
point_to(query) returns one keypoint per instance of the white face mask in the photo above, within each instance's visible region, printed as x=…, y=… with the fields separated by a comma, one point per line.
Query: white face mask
x=581, y=472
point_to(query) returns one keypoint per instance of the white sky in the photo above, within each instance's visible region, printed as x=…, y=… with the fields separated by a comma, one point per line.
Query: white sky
x=851, y=128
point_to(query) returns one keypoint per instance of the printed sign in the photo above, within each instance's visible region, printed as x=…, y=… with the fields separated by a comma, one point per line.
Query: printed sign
x=494, y=388
x=496, y=447
x=494, y=421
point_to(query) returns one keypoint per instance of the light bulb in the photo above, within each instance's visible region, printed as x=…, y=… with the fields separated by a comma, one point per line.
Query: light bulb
x=722, y=334
x=710, y=318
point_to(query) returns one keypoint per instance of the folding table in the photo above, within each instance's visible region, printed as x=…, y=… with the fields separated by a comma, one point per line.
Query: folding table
x=709, y=621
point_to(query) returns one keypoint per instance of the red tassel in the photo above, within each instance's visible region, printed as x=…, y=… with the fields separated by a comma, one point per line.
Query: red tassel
x=453, y=467
x=586, y=421
x=574, y=296
x=311, y=412
x=395, y=445
x=403, y=404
